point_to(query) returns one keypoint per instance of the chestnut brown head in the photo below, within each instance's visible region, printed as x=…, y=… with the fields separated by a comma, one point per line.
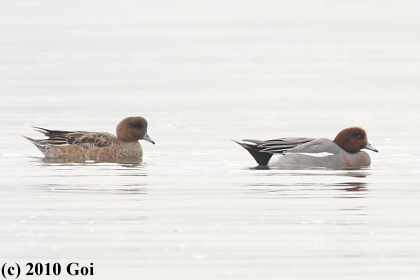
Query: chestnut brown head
x=133, y=129
x=353, y=139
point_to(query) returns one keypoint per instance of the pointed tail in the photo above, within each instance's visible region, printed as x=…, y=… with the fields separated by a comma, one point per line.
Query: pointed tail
x=262, y=158
x=42, y=145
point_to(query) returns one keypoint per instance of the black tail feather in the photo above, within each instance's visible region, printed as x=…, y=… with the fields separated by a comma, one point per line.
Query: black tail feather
x=50, y=133
x=262, y=158
x=55, y=137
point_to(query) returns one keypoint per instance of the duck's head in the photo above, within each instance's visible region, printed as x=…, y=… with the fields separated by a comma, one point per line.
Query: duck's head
x=133, y=129
x=353, y=139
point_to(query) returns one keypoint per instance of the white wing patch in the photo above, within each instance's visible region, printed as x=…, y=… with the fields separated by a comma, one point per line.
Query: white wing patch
x=319, y=155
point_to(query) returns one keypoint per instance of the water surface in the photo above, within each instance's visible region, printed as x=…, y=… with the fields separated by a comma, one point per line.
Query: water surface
x=202, y=73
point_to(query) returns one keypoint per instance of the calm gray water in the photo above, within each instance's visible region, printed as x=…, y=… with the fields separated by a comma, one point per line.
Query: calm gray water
x=204, y=72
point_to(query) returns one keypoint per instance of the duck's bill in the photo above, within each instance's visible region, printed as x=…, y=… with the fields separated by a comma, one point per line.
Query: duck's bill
x=147, y=138
x=370, y=147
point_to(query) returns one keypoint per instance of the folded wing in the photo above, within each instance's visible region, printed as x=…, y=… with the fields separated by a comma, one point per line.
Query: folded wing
x=83, y=139
x=262, y=151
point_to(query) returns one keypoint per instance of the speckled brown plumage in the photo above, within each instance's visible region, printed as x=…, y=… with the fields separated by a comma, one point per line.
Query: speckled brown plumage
x=95, y=145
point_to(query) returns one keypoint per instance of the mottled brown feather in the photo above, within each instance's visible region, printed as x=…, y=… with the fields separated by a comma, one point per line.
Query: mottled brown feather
x=83, y=144
x=91, y=140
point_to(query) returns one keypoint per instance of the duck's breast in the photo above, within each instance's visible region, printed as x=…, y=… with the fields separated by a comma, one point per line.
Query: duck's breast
x=355, y=160
x=129, y=149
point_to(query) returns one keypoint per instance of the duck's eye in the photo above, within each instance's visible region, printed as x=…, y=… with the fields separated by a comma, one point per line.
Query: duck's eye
x=360, y=135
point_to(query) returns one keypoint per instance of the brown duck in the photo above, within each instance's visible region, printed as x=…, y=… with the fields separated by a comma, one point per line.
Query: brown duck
x=95, y=145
